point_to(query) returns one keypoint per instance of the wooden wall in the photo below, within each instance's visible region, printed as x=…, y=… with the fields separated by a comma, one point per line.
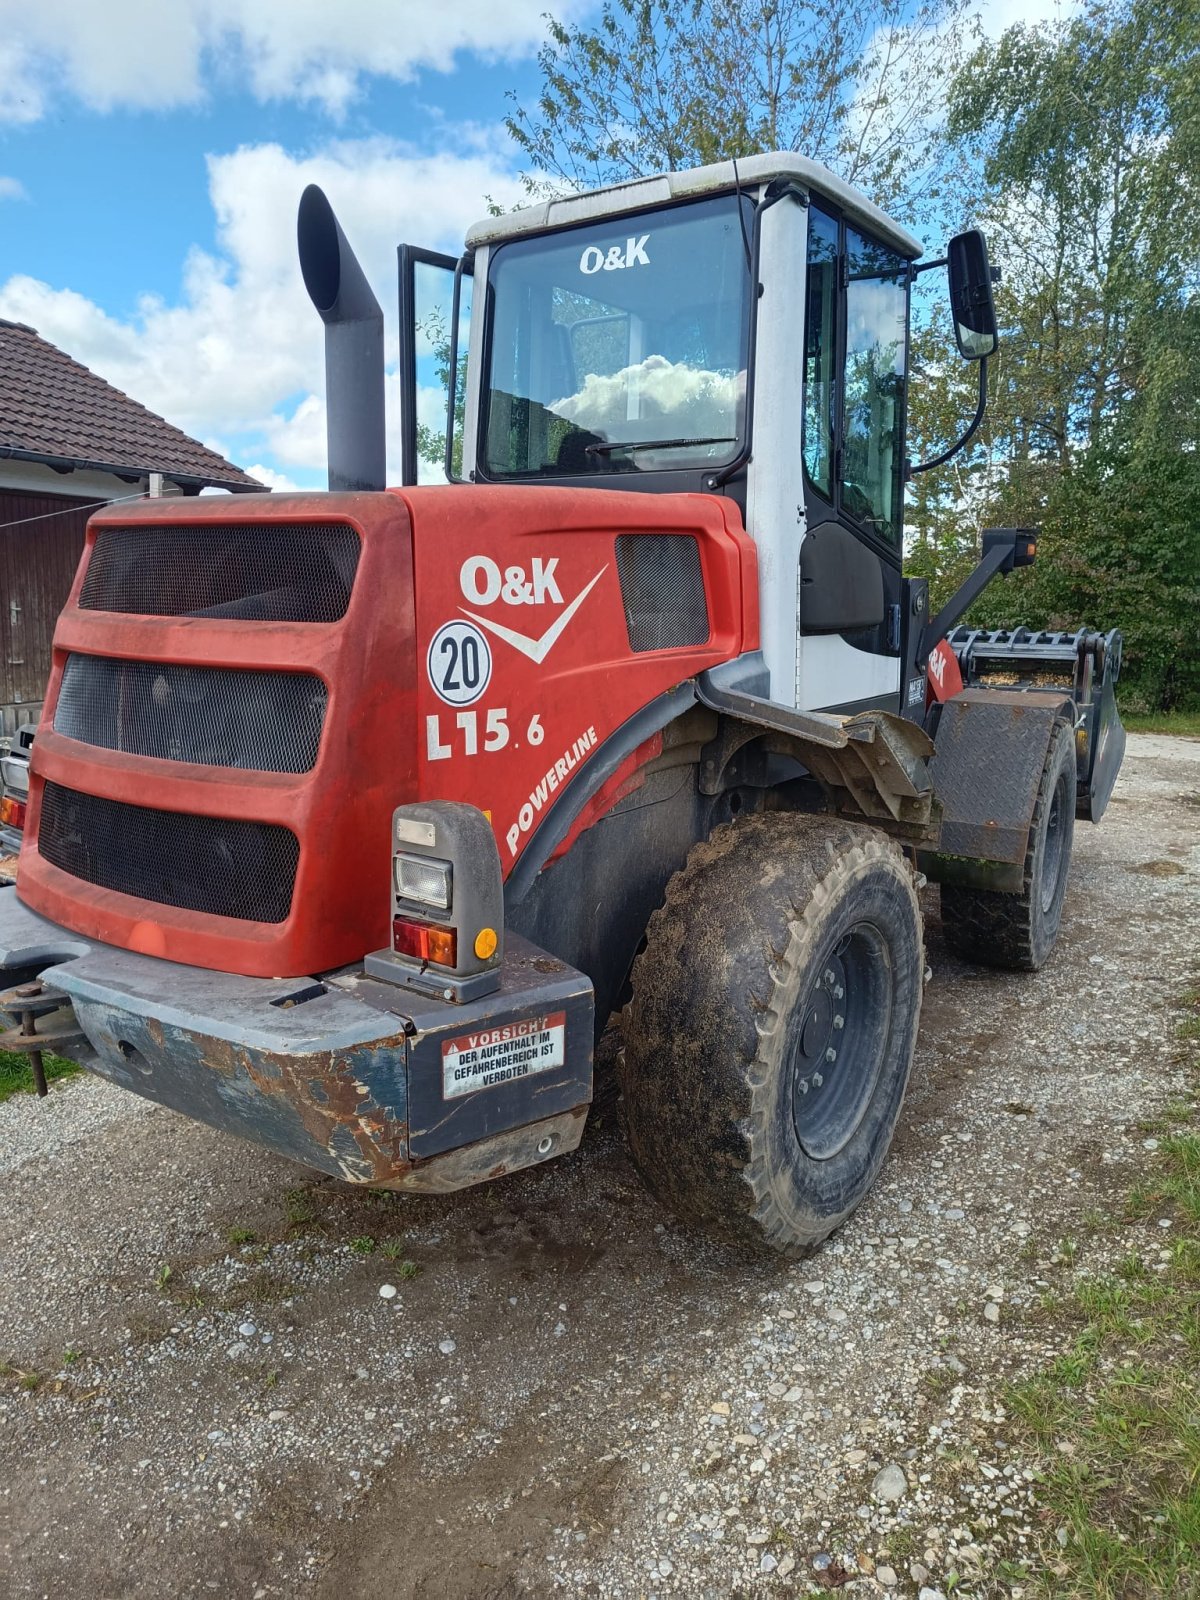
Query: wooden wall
x=37, y=566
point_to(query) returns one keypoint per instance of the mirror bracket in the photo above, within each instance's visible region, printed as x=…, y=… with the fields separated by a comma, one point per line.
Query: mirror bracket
x=927, y=466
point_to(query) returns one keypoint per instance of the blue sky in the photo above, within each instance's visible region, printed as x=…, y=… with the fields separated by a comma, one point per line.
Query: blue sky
x=152, y=153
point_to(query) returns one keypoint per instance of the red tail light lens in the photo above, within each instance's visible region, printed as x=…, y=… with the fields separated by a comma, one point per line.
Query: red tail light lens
x=422, y=942
x=12, y=812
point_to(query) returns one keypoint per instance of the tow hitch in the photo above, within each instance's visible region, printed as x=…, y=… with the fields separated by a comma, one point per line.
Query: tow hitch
x=24, y=1007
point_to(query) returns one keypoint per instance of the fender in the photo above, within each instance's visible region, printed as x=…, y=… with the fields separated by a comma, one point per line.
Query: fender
x=991, y=747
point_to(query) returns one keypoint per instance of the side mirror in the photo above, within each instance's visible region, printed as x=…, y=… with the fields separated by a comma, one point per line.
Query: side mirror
x=971, y=295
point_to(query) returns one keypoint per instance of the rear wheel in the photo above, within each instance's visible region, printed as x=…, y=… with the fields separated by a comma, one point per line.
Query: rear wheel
x=771, y=1029
x=1019, y=931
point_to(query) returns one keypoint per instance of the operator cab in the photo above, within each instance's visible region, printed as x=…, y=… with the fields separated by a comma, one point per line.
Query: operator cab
x=740, y=329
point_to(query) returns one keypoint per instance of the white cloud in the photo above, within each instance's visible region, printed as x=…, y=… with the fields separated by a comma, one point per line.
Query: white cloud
x=241, y=352
x=279, y=481
x=996, y=15
x=12, y=189
x=149, y=55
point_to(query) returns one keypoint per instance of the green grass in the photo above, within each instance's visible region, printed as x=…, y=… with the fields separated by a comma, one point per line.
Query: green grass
x=1115, y=1420
x=1177, y=722
x=16, y=1077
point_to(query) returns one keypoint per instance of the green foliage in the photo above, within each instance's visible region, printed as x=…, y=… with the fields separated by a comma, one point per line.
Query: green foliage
x=16, y=1076
x=431, y=442
x=1116, y=1418
x=662, y=85
x=1088, y=132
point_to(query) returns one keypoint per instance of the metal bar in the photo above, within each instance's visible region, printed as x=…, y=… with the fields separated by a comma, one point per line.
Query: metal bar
x=972, y=430
x=36, y=1066
x=965, y=595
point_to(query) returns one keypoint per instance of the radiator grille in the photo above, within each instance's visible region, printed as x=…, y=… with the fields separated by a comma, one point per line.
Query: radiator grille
x=217, y=717
x=255, y=571
x=209, y=864
x=663, y=591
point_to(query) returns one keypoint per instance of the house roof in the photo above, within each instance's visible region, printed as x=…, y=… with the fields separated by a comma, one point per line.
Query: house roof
x=56, y=411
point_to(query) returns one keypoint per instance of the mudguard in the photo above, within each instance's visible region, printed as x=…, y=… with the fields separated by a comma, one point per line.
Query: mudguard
x=990, y=749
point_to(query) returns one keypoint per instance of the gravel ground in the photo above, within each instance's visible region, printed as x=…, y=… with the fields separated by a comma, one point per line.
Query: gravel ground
x=211, y=1387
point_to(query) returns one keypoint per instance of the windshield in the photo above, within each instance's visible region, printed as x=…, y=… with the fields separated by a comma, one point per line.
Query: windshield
x=621, y=346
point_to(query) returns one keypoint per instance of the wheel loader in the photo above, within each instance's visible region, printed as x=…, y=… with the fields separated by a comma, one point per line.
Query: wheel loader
x=355, y=816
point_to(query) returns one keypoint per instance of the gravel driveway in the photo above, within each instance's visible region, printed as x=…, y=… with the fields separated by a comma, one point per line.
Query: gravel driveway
x=227, y=1375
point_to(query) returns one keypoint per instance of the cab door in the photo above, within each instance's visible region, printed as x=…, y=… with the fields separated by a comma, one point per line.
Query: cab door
x=855, y=367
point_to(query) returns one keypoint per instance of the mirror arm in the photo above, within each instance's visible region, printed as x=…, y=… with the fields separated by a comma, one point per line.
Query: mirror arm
x=966, y=438
x=915, y=271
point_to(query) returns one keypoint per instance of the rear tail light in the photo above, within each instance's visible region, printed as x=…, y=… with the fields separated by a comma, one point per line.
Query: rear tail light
x=12, y=812
x=422, y=942
x=447, y=903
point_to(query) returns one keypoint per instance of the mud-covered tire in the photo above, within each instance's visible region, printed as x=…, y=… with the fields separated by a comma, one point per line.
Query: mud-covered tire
x=1018, y=931
x=776, y=926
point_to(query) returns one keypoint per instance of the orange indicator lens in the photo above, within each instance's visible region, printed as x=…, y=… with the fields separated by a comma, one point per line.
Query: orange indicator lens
x=424, y=943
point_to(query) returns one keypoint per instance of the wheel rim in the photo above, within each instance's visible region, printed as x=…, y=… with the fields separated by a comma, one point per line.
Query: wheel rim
x=1052, y=853
x=836, y=1052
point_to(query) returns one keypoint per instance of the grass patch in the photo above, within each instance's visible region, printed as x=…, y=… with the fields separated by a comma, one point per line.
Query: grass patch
x=16, y=1077
x=1186, y=723
x=1116, y=1419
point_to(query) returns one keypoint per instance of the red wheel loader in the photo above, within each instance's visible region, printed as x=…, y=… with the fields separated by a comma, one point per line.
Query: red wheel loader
x=354, y=816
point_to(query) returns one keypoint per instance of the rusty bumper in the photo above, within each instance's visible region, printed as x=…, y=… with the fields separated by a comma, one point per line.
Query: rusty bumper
x=346, y=1074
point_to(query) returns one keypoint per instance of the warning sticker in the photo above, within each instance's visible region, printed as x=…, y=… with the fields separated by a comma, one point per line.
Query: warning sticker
x=502, y=1055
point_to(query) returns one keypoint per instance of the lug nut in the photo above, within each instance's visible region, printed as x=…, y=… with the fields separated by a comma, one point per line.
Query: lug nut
x=829, y=977
x=831, y=1056
x=818, y=1080
x=803, y=1086
x=839, y=1022
x=838, y=992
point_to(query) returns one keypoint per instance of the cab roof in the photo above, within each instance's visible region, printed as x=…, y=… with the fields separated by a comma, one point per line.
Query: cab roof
x=639, y=193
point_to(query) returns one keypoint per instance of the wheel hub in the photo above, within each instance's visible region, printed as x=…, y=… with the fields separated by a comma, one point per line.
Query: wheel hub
x=836, y=1049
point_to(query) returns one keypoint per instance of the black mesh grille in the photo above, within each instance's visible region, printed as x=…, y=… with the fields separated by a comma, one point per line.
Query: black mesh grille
x=663, y=590
x=227, y=869
x=255, y=721
x=249, y=571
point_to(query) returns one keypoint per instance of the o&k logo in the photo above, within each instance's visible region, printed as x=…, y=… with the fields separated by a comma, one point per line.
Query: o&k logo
x=483, y=583
x=614, y=258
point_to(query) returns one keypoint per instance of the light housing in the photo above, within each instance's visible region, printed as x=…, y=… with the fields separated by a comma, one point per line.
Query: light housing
x=447, y=910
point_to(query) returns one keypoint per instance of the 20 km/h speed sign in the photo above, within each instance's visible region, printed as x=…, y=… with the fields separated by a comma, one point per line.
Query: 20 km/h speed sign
x=459, y=663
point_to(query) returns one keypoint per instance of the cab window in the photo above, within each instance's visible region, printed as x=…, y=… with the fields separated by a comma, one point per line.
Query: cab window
x=873, y=386
x=820, y=351
x=854, y=401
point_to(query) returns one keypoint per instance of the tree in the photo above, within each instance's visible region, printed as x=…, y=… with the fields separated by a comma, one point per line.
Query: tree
x=661, y=85
x=1088, y=134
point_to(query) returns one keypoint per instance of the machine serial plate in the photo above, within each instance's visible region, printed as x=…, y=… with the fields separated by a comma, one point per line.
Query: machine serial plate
x=501, y=1055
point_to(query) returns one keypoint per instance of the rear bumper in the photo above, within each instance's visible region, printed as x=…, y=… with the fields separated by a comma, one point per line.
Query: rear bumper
x=352, y=1076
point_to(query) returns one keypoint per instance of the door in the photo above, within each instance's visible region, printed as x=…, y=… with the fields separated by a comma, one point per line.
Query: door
x=856, y=325
x=426, y=311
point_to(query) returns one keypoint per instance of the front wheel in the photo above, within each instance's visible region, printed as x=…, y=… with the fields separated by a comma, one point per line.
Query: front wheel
x=1019, y=931
x=771, y=1029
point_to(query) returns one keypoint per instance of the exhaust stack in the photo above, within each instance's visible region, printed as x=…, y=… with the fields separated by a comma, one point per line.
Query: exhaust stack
x=353, y=346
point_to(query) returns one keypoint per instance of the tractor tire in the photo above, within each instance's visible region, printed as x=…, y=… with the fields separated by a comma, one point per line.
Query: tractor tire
x=1018, y=931
x=786, y=939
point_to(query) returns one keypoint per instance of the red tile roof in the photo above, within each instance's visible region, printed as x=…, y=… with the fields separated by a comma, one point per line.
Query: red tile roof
x=54, y=410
